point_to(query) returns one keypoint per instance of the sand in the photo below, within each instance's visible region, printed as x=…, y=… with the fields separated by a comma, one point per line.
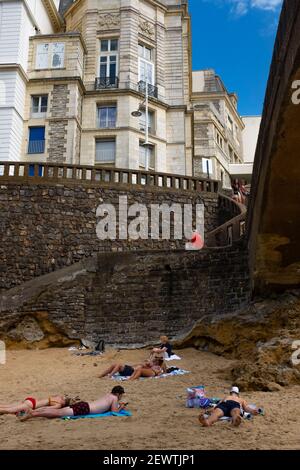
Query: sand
x=160, y=419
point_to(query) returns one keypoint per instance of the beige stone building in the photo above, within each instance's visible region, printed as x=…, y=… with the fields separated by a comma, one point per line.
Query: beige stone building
x=86, y=75
x=84, y=83
x=217, y=127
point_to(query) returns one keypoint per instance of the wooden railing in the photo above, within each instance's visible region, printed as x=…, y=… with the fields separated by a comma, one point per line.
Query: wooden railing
x=58, y=173
x=232, y=230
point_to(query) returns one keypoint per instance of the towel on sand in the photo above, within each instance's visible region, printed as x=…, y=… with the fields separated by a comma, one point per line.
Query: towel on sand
x=101, y=415
x=174, y=357
x=174, y=372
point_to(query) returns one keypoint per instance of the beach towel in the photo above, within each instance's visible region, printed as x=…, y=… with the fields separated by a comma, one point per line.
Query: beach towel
x=174, y=372
x=101, y=415
x=174, y=357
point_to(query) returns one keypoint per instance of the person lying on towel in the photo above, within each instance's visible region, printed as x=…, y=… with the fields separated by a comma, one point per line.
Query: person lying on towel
x=149, y=369
x=31, y=403
x=231, y=407
x=109, y=402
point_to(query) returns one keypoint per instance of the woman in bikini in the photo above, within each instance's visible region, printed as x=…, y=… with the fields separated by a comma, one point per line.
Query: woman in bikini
x=30, y=403
x=149, y=369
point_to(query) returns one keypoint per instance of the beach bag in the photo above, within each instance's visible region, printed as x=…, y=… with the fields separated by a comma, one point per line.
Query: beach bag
x=196, y=397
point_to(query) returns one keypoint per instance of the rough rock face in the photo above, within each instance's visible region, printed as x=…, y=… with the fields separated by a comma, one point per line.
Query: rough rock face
x=262, y=337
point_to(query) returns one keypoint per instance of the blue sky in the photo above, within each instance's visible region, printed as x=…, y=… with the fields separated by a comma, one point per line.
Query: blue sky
x=236, y=38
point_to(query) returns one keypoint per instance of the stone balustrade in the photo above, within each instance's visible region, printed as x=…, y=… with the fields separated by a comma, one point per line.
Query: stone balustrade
x=61, y=173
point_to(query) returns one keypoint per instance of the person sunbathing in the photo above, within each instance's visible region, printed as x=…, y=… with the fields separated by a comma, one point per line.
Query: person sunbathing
x=231, y=406
x=149, y=369
x=30, y=403
x=123, y=369
x=109, y=402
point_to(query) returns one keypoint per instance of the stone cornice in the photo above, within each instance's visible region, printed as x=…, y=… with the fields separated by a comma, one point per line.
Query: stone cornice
x=54, y=16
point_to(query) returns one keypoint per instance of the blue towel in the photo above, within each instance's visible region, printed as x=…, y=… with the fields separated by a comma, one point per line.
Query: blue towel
x=101, y=415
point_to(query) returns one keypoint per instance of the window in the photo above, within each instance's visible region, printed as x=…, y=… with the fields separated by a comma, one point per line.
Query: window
x=36, y=140
x=146, y=65
x=39, y=106
x=142, y=123
x=230, y=124
x=50, y=56
x=230, y=153
x=109, y=61
x=220, y=140
x=207, y=166
x=105, y=151
x=143, y=156
x=58, y=50
x=107, y=116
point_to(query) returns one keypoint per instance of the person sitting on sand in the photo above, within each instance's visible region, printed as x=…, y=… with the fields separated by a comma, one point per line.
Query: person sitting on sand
x=149, y=369
x=30, y=403
x=164, y=348
x=109, y=402
x=231, y=406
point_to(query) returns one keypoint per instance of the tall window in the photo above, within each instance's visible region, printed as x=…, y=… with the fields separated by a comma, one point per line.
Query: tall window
x=143, y=156
x=142, y=122
x=36, y=142
x=207, y=166
x=107, y=116
x=146, y=65
x=39, y=106
x=109, y=61
x=50, y=56
x=230, y=124
x=105, y=151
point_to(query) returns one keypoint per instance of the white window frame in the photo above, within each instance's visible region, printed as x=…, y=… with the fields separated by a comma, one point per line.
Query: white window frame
x=147, y=63
x=39, y=113
x=108, y=54
x=204, y=166
x=47, y=63
x=106, y=106
x=151, y=159
x=106, y=161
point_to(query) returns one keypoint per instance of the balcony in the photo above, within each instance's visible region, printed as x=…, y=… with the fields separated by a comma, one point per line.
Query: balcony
x=36, y=146
x=152, y=89
x=103, y=83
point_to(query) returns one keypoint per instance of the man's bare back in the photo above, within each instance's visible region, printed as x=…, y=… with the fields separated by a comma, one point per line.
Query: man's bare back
x=107, y=403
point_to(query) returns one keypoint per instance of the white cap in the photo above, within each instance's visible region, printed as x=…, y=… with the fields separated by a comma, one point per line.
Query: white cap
x=235, y=390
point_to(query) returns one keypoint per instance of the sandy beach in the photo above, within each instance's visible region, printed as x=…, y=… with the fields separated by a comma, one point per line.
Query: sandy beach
x=160, y=419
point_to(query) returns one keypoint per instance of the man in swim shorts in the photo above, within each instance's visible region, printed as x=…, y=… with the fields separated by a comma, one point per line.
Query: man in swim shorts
x=230, y=407
x=109, y=402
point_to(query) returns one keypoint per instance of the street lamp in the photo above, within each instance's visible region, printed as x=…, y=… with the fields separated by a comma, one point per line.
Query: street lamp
x=138, y=113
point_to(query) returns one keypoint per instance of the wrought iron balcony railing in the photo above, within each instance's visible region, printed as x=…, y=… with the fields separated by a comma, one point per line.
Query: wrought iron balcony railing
x=101, y=83
x=152, y=89
x=36, y=146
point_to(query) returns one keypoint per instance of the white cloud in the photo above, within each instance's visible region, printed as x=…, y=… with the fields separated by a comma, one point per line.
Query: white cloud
x=242, y=7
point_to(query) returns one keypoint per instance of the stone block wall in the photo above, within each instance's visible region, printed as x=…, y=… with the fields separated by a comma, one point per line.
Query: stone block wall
x=129, y=299
x=45, y=227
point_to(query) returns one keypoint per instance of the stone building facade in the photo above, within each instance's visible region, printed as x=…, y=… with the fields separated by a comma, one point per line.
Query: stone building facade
x=86, y=77
x=217, y=128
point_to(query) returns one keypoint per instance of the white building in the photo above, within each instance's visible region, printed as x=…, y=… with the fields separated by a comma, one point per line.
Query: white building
x=250, y=136
x=19, y=20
